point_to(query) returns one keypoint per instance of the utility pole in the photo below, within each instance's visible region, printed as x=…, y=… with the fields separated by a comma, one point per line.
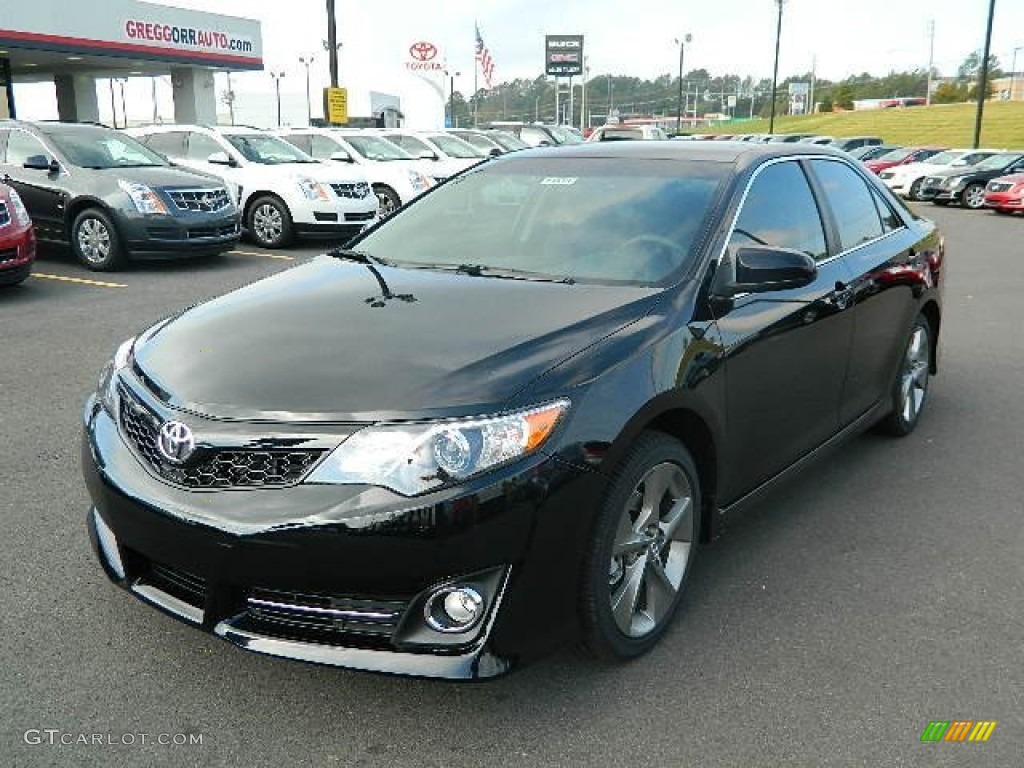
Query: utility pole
x=558, y=94
x=152, y=82
x=814, y=78
x=1013, y=71
x=983, y=80
x=679, y=98
x=931, y=60
x=332, y=43
x=775, y=71
x=583, y=94
x=572, y=105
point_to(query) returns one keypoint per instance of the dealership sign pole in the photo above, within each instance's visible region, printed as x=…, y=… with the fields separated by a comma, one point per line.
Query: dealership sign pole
x=563, y=56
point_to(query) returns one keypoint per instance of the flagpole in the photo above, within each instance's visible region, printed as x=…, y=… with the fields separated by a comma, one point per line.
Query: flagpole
x=476, y=70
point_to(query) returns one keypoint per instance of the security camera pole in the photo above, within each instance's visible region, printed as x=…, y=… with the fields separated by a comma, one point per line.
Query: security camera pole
x=775, y=72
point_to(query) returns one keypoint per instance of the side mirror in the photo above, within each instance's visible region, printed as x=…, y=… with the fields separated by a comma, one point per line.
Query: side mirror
x=41, y=163
x=760, y=269
x=221, y=158
x=494, y=152
x=342, y=156
x=543, y=143
x=430, y=156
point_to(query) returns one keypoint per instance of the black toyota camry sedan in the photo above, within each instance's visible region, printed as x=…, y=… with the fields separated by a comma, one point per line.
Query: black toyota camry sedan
x=506, y=417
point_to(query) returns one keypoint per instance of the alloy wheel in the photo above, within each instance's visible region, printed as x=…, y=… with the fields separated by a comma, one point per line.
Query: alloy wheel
x=914, y=378
x=94, y=240
x=386, y=202
x=974, y=196
x=651, y=550
x=267, y=223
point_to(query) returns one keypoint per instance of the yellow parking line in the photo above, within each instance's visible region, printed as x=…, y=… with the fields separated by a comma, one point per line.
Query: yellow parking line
x=264, y=255
x=80, y=280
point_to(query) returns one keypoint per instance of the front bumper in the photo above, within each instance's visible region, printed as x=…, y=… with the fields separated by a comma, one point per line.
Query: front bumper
x=351, y=591
x=191, y=234
x=1004, y=201
x=17, y=252
x=942, y=194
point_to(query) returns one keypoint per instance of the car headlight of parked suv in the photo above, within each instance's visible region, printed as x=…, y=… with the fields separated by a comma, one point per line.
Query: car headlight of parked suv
x=419, y=181
x=313, y=190
x=105, y=392
x=143, y=197
x=953, y=182
x=413, y=458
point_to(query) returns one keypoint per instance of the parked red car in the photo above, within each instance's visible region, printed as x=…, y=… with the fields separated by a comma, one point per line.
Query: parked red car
x=17, y=238
x=1006, y=193
x=902, y=156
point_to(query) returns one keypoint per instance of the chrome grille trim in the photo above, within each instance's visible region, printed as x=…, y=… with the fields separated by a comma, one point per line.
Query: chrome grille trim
x=200, y=200
x=351, y=190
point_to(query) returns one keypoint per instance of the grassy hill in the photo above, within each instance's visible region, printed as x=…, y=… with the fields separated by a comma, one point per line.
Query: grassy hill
x=946, y=124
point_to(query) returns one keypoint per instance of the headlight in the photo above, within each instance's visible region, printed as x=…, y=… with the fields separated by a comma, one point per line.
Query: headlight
x=419, y=181
x=145, y=199
x=20, y=212
x=106, y=391
x=952, y=182
x=414, y=458
x=313, y=190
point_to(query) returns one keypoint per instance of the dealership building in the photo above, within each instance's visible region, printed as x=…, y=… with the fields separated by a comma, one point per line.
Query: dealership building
x=71, y=44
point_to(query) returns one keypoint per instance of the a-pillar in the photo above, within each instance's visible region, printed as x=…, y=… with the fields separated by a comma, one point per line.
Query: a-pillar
x=195, y=100
x=76, y=98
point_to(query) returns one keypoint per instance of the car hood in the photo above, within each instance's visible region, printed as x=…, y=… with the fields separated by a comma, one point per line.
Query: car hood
x=968, y=170
x=928, y=169
x=333, y=340
x=339, y=173
x=160, y=176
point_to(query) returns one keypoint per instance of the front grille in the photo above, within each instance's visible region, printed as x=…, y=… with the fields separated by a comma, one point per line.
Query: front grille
x=353, y=191
x=368, y=216
x=323, y=619
x=216, y=468
x=5, y=214
x=999, y=186
x=203, y=200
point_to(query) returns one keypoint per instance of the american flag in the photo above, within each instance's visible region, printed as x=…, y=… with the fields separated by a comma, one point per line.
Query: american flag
x=484, y=57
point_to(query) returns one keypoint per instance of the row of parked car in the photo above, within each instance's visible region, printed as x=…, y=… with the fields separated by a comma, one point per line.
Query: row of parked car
x=167, y=191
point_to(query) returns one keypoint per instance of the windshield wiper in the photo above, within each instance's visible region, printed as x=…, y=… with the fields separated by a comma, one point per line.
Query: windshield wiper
x=508, y=273
x=360, y=257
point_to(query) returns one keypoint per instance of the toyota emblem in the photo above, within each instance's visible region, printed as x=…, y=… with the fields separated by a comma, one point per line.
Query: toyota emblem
x=423, y=51
x=175, y=442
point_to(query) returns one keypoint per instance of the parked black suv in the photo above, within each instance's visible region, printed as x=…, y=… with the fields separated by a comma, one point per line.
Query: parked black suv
x=110, y=197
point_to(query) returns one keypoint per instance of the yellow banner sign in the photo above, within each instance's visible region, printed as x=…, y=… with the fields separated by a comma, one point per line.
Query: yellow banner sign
x=336, y=105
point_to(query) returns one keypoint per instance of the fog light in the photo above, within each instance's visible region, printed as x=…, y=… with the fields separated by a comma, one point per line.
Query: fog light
x=454, y=609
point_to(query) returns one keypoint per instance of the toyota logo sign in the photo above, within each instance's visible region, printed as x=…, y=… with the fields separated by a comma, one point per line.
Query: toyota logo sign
x=423, y=51
x=175, y=442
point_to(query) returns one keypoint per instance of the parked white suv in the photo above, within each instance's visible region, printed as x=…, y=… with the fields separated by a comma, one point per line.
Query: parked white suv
x=447, y=154
x=281, y=191
x=395, y=176
x=906, y=180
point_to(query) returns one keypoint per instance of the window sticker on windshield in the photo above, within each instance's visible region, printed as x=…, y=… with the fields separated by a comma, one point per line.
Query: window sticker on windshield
x=559, y=180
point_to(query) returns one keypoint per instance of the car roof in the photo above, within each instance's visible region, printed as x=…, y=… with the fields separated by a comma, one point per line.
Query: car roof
x=719, y=151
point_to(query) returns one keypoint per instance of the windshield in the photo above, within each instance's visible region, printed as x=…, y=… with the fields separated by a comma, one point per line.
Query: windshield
x=479, y=142
x=456, y=147
x=507, y=141
x=89, y=147
x=995, y=162
x=973, y=158
x=267, y=150
x=412, y=145
x=375, y=148
x=608, y=220
x=943, y=158
x=895, y=155
x=563, y=136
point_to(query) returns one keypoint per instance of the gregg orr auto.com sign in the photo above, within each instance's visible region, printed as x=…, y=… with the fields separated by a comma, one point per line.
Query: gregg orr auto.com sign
x=563, y=55
x=191, y=38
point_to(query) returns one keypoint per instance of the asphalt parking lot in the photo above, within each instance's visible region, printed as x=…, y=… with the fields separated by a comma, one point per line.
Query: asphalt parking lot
x=826, y=627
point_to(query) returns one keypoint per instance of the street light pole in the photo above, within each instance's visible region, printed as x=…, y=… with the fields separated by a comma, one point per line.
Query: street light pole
x=307, y=61
x=451, y=97
x=1013, y=70
x=983, y=80
x=775, y=71
x=277, y=87
x=679, y=99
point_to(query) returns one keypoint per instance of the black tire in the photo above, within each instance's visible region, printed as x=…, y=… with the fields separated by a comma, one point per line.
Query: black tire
x=387, y=199
x=654, y=460
x=270, y=222
x=95, y=241
x=910, y=383
x=914, y=193
x=973, y=197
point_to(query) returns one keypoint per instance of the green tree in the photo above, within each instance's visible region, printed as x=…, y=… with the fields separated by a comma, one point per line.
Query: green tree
x=949, y=93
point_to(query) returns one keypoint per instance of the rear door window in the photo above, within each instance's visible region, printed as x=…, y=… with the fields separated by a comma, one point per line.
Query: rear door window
x=857, y=217
x=170, y=144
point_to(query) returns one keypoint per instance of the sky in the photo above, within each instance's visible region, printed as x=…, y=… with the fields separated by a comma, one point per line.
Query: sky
x=838, y=37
